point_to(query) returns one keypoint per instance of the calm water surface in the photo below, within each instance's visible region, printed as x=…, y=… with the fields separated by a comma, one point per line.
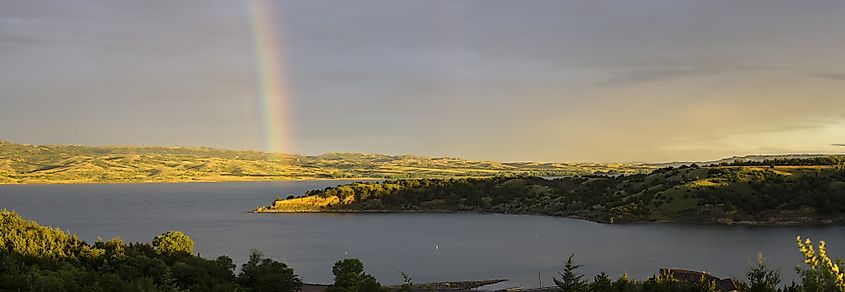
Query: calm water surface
x=429, y=247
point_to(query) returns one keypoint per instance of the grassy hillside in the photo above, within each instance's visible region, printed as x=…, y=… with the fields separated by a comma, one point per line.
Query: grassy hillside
x=715, y=194
x=21, y=163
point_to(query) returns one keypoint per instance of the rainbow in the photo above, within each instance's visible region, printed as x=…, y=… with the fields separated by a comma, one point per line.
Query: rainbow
x=270, y=82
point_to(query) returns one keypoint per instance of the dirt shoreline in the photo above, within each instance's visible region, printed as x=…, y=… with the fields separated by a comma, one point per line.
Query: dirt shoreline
x=715, y=221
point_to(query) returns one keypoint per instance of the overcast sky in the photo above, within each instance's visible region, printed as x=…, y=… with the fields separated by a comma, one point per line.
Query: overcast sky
x=501, y=80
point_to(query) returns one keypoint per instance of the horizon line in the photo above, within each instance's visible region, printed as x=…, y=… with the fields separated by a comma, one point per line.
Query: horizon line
x=631, y=162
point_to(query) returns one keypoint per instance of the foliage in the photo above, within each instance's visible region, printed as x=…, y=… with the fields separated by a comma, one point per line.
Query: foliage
x=349, y=276
x=173, y=243
x=662, y=282
x=706, y=286
x=761, y=278
x=39, y=258
x=27, y=238
x=262, y=274
x=804, y=161
x=570, y=281
x=690, y=194
x=601, y=283
x=407, y=283
x=823, y=273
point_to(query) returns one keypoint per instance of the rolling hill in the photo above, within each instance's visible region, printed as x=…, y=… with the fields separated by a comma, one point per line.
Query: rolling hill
x=22, y=163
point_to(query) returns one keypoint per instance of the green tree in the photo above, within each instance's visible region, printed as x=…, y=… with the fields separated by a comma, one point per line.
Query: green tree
x=261, y=274
x=663, y=282
x=824, y=273
x=173, y=243
x=705, y=285
x=349, y=276
x=623, y=282
x=570, y=281
x=38, y=258
x=761, y=278
x=602, y=283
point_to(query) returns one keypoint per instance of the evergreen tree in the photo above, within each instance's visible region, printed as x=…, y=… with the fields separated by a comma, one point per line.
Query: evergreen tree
x=570, y=281
x=407, y=283
x=602, y=283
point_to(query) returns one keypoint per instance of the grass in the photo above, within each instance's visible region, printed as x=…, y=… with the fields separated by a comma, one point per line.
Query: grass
x=29, y=164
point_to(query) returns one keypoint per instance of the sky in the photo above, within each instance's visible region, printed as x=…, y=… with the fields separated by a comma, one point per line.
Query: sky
x=656, y=80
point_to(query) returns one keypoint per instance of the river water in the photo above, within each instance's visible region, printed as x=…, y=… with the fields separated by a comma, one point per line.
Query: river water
x=429, y=247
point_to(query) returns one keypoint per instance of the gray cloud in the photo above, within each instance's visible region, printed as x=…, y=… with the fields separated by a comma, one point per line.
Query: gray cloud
x=831, y=76
x=838, y=144
x=490, y=79
x=660, y=68
x=656, y=74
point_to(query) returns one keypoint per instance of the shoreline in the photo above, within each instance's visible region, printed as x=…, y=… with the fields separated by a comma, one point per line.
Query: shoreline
x=820, y=222
x=188, y=182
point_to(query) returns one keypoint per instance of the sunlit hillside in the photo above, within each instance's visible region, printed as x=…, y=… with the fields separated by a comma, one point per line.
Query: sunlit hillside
x=20, y=163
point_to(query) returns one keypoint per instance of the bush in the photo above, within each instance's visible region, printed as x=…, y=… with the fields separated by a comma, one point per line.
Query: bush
x=173, y=243
x=823, y=274
x=39, y=258
x=761, y=278
x=263, y=274
x=349, y=276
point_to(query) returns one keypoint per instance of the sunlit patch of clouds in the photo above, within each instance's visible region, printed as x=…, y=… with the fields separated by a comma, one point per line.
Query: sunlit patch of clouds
x=797, y=140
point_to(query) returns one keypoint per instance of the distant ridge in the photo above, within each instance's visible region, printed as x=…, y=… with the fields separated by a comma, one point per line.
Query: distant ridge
x=732, y=159
x=22, y=163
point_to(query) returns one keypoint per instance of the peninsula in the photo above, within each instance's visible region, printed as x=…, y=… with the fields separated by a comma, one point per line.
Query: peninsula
x=783, y=191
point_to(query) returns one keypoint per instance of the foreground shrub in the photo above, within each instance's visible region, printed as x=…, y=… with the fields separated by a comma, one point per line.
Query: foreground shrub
x=173, y=243
x=38, y=258
x=349, y=276
x=823, y=273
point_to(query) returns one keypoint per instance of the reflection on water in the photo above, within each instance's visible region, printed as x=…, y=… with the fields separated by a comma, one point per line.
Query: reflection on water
x=429, y=247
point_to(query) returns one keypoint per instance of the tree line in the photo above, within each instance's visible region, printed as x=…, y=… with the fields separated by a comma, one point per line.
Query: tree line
x=803, y=161
x=687, y=194
x=820, y=273
x=39, y=258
